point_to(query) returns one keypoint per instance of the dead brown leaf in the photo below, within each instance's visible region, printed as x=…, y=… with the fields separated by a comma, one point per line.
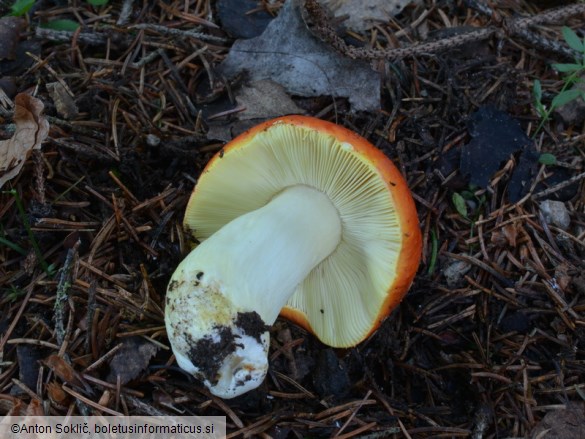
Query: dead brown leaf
x=265, y=99
x=288, y=54
x=562, y=424
x=360, y=15
x=11, y=405
x=63, y=370
x=56, y=394
x=31, y=129
x=506, y=236
x=64, y=103
x=510, y=232
x=131, y=360
x=35, y=408
x=262, y=100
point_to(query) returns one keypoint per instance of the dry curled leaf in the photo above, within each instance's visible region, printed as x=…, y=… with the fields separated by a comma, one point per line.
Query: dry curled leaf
x=265, y=99
x=288, y=54
x=361, y=15
x=506, y=235
x=131, y=359
x=261, y=100
x=64, y=103
x=56, y=394
x=562, y=424
x=31, y=129
x=35, y=408
x=11, y=405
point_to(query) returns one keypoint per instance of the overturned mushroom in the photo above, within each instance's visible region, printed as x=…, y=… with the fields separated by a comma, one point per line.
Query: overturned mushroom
x=300, y=217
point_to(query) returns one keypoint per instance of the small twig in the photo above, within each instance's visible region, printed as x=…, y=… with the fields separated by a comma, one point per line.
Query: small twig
x=57, y=76
x=558, y=187
x=103, y=358
x=179, y=81
x=5, y=102
x=124, y=188
x=33, y=341
x=147, y=59
x=125, y=12
x=318, y=23
x=26, y=389
x=38, y=161
x=519, y=27
x=544, y=43
x=180, y=33
x=174, y=72
x=80, y=398
x=23, y=305
x=480, y=7
x=474, y=261
x=63, y=36
x=352, y=416
x=62, y=292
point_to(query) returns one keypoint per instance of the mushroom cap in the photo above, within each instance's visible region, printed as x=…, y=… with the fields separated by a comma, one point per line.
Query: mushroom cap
x=346, y=297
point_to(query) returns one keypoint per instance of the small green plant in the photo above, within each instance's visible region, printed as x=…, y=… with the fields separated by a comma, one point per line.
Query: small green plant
x=459, y=203
x=62, y=24
x=13, y=294
x=21, y=7
x=49, y=269
x=17, y=248
x=468, y=204
x=572, y=74
x=547, y=159
x=98, y=2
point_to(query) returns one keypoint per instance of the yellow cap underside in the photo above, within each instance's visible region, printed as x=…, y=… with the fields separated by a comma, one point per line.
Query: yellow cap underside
x=341, y=297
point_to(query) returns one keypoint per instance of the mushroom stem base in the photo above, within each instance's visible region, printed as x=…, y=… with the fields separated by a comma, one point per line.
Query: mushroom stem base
x=222, y=296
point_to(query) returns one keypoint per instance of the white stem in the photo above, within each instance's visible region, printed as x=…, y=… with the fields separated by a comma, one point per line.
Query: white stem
x=234, y=283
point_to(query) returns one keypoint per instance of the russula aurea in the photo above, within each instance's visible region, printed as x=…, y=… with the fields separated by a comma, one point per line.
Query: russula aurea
x=296, y=216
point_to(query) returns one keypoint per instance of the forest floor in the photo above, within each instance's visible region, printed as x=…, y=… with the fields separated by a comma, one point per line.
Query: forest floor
x=488, y=343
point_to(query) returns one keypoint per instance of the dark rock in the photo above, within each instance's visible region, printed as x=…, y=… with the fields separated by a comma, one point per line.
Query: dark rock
x=495, y=138
x=237, y=21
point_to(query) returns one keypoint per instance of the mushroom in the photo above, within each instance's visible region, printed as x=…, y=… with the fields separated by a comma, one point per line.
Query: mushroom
x=298, y=217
